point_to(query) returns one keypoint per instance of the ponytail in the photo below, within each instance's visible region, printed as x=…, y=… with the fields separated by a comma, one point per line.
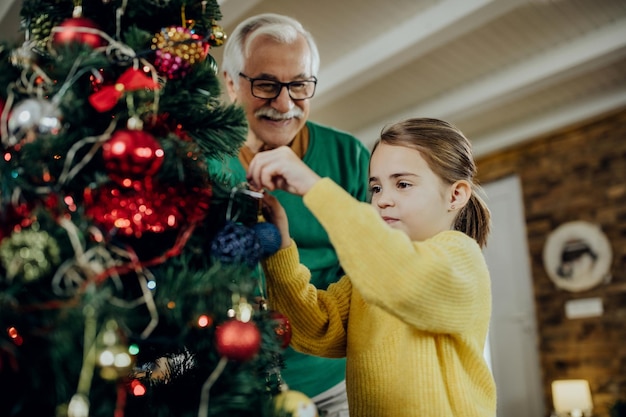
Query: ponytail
x=474, y=219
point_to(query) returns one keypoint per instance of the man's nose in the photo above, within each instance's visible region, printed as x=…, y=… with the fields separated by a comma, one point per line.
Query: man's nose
x=283, y=103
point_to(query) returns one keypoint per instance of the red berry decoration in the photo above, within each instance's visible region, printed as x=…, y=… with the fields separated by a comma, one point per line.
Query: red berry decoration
x=79, y=30
x=282, y=329
x=237, y=340
x=131, y=154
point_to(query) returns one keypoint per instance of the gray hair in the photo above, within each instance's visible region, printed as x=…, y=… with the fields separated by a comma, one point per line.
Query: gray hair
x=281, y=28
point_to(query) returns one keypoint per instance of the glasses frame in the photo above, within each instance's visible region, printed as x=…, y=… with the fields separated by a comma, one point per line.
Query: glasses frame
x=282, y=85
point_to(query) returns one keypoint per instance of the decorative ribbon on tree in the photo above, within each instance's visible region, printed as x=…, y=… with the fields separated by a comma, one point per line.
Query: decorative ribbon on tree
x=131, y=80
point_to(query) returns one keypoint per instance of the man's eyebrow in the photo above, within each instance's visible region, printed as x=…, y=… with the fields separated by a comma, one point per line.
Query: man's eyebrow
x=264, y=76
x=270, y=77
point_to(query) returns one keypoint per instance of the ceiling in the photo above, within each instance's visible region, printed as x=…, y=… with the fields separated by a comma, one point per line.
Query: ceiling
x=503, y=71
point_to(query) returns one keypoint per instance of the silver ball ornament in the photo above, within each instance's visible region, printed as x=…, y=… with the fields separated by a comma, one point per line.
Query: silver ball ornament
x=30, y=118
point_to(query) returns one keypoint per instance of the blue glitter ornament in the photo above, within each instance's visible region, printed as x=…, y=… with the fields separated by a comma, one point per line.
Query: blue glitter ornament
x=236, y=244
x=269, y=237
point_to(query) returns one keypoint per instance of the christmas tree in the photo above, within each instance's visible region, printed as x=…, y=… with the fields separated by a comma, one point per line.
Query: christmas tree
x=129, y=277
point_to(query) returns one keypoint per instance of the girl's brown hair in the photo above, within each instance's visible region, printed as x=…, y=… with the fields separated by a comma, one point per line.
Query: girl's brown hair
x=449, y=154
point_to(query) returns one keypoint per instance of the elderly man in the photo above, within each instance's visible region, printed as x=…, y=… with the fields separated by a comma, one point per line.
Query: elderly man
x=270, y=66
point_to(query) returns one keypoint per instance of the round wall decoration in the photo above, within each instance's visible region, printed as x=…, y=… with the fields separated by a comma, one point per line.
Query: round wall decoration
x=577, y=256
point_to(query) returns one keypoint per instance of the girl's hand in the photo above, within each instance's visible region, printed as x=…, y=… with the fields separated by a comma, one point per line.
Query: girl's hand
x=274, y=213
x=281, y=168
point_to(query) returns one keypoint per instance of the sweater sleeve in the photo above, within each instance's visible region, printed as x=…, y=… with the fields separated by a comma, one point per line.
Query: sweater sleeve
x=439, y=285
x=318, y=317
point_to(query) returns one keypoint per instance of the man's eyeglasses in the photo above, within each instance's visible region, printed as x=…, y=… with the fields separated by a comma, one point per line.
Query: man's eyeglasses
x=270, y=89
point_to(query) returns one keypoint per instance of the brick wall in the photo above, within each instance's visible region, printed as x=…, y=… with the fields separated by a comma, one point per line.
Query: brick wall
x=576, y=174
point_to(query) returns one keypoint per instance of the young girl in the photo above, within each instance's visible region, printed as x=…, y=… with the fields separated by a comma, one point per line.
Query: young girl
x=412, y=313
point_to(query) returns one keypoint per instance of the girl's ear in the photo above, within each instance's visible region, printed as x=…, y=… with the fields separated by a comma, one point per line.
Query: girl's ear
x=460, y=193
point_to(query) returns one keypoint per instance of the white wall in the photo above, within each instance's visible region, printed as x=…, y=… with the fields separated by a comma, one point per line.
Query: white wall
x=513, y=342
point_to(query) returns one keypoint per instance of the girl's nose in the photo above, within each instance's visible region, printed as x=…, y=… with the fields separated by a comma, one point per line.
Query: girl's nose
x=384, y=200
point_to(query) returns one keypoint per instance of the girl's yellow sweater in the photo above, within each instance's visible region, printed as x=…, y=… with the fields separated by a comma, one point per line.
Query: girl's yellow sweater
x=411, y=317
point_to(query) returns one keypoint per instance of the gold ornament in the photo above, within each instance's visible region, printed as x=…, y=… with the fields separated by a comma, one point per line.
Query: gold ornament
x=295, y=404
x=29, y=254
x=40, y=29
x=218, y=36
x=180, y=42
x=78, y=406
x=114, y=358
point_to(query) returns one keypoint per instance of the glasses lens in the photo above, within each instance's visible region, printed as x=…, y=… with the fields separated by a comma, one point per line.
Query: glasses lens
x=301, y=89
x=268, y=89
x=265, y=88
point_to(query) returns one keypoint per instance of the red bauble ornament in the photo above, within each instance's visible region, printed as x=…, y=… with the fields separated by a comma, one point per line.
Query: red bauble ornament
x=130, y=155
x=237, y=340
x=282, y=329
x=131, y=212
x=79, y=30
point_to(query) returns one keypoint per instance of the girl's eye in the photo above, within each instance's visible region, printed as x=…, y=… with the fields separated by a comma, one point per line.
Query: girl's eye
x=374, y=189
x=403, y=184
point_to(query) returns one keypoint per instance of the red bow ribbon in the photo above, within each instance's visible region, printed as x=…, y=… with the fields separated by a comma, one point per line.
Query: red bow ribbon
x=131, y=80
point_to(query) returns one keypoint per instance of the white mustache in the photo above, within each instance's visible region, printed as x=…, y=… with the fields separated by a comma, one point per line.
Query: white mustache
x=273, y=114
